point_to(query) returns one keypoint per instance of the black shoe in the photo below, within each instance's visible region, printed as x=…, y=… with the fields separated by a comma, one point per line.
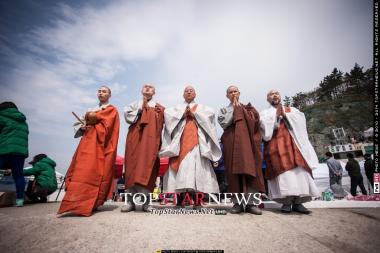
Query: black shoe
x=286, y=208
x=299, y=208
x=128, y=207
x=180, y=198
x=147, y=208
x=43, y=200
x=237, y=209
x=253, y=210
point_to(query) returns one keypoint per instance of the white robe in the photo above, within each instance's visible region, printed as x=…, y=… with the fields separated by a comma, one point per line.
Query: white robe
x=295, y=182
x=195, y=171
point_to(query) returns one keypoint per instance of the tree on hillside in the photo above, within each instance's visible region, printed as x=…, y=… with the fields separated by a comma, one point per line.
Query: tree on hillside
x=336, y=86
x=331, y=86
x=355, y=79
x=299, y=100
x=369, y=81
x=287, y=101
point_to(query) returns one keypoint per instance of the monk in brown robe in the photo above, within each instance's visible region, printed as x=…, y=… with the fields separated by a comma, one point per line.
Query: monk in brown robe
x=288, y=154
x=241, y=149
x=89, y=177
x=146, y=119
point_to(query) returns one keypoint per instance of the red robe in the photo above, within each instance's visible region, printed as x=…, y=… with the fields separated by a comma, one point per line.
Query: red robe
x=282, y=154
x=142, y=147
x=89, y=177
x=241, y=151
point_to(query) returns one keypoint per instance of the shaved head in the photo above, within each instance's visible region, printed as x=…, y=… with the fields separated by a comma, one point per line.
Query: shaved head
x=148, y=90
x=106, y=87
x=273, y=91
x=230, y=87
x=189, y=87
x=189, y=94
x=233, y=93
x=104, y=93
x=274, y=97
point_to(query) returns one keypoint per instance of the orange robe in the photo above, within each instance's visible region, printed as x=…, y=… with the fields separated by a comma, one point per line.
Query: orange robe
x=189, y=139
x=89, y=177
x=142, y=147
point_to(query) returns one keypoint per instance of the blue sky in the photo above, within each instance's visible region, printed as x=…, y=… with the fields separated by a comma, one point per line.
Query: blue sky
x=55, y=54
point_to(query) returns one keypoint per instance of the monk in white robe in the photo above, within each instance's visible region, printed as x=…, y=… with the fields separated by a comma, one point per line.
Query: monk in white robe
x=289, y=155
x=190, y=141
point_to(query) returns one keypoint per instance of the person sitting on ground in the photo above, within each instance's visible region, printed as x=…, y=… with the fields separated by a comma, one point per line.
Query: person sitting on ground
x=45, y=181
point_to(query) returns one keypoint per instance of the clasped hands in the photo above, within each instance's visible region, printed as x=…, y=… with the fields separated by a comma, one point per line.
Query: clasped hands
x=280, y=113
x=235, y=102
x=91, y=120
x=188, y=112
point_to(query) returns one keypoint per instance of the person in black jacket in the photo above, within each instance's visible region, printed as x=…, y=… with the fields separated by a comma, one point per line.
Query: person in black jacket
x=353, y=169
x=369, y=167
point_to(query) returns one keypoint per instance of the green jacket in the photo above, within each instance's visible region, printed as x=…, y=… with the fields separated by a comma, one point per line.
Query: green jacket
x=13, y=132
x=353, y=168
x=44, y=173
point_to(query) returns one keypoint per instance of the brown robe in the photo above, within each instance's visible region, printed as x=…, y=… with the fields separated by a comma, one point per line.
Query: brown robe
x=241, y=151
x=282, y=154
x=90, y=175
x=142, y=147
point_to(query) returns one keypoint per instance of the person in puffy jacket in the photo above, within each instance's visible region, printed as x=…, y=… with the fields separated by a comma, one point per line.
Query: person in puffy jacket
x=45, y=181
x=13, y=145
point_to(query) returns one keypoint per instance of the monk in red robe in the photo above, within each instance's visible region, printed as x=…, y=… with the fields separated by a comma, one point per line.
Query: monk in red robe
x=146, y=119
x=89, y=177
x=241, y=150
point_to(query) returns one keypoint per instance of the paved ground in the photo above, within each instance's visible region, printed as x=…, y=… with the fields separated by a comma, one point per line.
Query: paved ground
x=36, y=228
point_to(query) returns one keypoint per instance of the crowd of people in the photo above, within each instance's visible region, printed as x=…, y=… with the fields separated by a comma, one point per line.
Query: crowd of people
x=186, y=134
x=354, y=172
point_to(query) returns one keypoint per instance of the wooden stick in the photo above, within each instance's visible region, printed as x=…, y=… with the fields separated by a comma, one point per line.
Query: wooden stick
x=76, y=116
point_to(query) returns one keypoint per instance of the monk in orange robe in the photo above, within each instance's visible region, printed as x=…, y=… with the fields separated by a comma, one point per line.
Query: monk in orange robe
x=146, y=119
x=89, y=177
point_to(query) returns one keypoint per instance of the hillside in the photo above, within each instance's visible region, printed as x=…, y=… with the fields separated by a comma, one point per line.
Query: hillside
x=354, y=113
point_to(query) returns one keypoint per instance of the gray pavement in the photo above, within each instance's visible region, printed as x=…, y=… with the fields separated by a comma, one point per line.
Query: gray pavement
x=36, y=228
